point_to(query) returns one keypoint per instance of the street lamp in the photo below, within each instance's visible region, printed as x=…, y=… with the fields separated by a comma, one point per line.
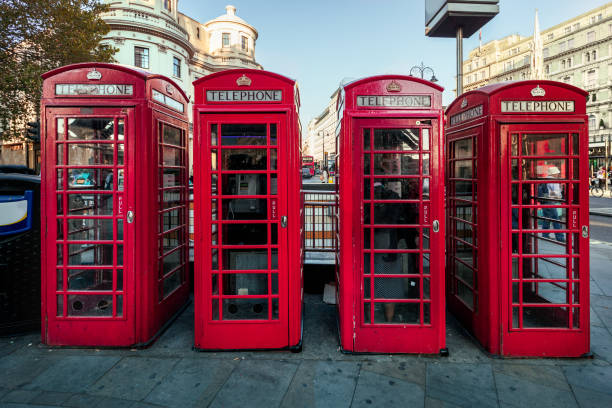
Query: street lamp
x=421, y=72
x=322, y=135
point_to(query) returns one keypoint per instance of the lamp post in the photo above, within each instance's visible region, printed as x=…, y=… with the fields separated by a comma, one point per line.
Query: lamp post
x=421, y=72
x=324, y=156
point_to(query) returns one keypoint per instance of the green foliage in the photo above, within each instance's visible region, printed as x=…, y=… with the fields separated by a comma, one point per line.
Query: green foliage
x=37, y=36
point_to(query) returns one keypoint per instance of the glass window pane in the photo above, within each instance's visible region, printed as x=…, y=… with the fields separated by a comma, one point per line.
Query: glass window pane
x=425, y=138
x=172, y=156
x=172, y=135
x=426, y=169
x=245, y=209
x=90, y=179
x=366, y=139
x=396, y=188
x=91, y=129
x=60, y=128
x=90, y=254
x=172, y=177
x=462, y=169
x=90, y=279
x=245, y=259
x=90, y=154
x=538, y=169
x=171, y=240
x=243, y=134
x=396, y=139
x=463, y=148
x=397, y=313
x=395, y=264
x=397, y=288
x=172, y=219
x=213, y=160
x=396, y=213
x=213, y=135
x=90, y=305
x=90, y=204
x=244, y=159
x=171, y=283
x=273, y=160
x=396, y=238
x=244, y=184
x=83, y=229
x=245, y=234
x=244, y=284
x=535, y=317
x=366, y=164
x=544, y=144
x=171, y=198
x=171, y=261
x=273, y=133
x=545, y=268
x=396, y=164
x=245, y=309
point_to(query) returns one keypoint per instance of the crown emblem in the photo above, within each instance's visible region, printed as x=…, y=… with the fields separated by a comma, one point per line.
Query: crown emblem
x=244, y=81
x=464, y=103
x=537, y=91
x=393, y=87
x=94, y=75
x=169, y=89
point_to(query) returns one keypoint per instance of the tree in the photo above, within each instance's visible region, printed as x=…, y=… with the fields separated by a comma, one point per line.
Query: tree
x=35, y=37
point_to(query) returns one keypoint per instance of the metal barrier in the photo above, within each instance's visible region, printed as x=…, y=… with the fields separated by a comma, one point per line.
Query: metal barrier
x=319, y=221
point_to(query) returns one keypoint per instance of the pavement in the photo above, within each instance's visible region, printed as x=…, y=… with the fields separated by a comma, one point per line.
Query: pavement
x=171, y=374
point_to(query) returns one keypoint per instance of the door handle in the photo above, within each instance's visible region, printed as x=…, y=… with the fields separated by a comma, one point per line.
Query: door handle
x=130, y=217
x=284, y=221
x=436, y=226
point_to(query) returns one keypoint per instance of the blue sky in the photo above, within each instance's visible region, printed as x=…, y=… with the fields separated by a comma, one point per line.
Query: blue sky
x=321, y=42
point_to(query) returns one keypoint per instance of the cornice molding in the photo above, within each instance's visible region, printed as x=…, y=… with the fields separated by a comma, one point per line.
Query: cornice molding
x=158, y=33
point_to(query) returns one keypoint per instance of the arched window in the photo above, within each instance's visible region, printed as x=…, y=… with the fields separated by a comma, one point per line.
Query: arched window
x=168, y=5
x=594, y=54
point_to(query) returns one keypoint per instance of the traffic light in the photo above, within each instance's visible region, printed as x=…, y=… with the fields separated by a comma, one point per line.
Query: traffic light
x=33, y=131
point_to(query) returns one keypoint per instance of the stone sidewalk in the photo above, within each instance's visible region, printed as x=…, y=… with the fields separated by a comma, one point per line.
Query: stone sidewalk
x=170, y=374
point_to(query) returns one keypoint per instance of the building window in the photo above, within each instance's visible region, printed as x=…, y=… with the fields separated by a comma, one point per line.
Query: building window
x=551, y=36
x=225, y=38
x=569, y=62
x=245, y=44
x=591, y=78
x=576, y=26
x=168, y=5
x=562, y=46
x=141, y=57
x=545, y=52
x=526, y=60
x=568, y=30
x=198, y=32
x=587, y=57
x=570, y=43
x=594, y=97
x=547, y=69
x=592, y=121
x=567, y=79
x=591, y=36
x=562, y=64
x=176, y=67
x=599, y=17
x=594, y=55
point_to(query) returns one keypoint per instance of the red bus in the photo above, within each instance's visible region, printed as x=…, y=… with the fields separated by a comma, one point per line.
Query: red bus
x=308, y=162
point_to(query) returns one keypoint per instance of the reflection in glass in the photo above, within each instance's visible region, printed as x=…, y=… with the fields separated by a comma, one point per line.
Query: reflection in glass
x=545, y=268
x=171, y=283
x=213, y=135
x=273, y=160
x=244, y=184
x=172, y=156
x=396, y=139
x=425, y=138
x=244, y=284
x=90, y=179
x=273, y=133
x=544, y=144
x=60, y=128
x=172, y=219
x=535, y=317
x=171, y=198
x=90, y=129
x=172, y=177
x=538, y=169
x=426, y=164
x=463, y=169
x=171, y=261
x=244, y=159
x=120, y=129
x=366, y=139
x=172, y=240
x=463, y=148
x=243, y=134
x=60, y=154
x=90, y=204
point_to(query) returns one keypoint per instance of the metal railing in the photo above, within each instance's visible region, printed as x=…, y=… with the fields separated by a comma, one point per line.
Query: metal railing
x=319, y=220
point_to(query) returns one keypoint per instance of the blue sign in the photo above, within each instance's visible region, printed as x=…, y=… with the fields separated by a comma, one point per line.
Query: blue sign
x=16, y=213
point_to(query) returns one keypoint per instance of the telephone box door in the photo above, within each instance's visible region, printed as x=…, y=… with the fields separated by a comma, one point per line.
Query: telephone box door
x=545, y=221
x=245, y=278
x=398, y=273
x=88, y=226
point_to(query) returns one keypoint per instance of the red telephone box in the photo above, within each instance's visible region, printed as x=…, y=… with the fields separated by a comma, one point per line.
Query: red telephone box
x=390, y=188
x=114, y=205
x=248, y=247
x=518, y=234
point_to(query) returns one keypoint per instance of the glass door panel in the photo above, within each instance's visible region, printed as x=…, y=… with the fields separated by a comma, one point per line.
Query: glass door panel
x=89, y=164
x=395, y=274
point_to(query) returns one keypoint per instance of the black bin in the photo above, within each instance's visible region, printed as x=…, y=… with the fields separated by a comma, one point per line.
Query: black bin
x=19, y=253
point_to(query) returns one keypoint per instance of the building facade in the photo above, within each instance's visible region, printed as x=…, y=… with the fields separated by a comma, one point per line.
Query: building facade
x=577, y=51
x=153, y=35
x=321, y=135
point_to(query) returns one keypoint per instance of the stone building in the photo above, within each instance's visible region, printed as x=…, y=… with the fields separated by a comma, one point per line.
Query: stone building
x=577, y=51
x=321, y=136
